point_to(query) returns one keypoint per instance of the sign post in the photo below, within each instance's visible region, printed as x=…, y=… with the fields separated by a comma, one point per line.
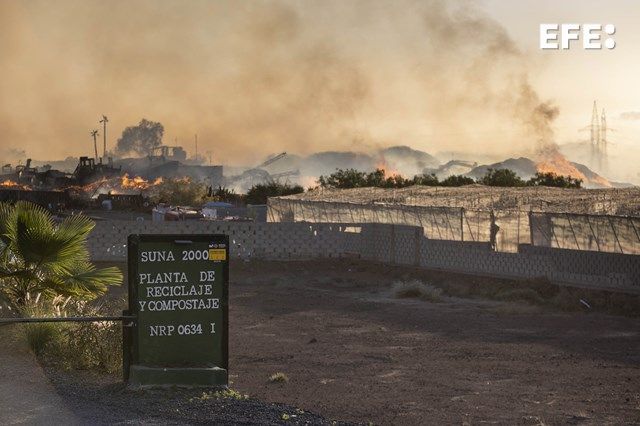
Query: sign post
x=178, y=291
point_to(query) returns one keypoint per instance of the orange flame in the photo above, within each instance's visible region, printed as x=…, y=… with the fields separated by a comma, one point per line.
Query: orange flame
x=13, y=185
x=388, y=171
x=137, y=182
x=552, y=161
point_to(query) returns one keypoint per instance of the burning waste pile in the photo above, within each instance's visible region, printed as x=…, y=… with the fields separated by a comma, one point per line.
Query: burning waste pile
x=10, y=184
x=125, y=191
x=174, y=190
x=121, y=185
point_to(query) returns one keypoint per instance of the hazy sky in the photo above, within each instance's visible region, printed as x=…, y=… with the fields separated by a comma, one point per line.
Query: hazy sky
x=576, y=77
x=253, y=78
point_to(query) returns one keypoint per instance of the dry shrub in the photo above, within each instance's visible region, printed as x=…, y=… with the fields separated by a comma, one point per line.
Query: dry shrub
x=76, y=345
x=39, y=335
x=418, y=290
x=90, y=345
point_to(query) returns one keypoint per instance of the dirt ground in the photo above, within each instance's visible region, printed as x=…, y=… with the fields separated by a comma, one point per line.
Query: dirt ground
x=354, y=352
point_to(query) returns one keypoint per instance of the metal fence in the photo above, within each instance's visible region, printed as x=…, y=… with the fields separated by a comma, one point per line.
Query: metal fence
x=504, y=229
x=615, y=234
x=438, y=223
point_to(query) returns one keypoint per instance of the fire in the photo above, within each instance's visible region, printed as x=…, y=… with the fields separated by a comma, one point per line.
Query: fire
x=9, y=183
x=137, y=182
x=388, y=171
x=117, y=185
x=552, y=161
x=13, y=185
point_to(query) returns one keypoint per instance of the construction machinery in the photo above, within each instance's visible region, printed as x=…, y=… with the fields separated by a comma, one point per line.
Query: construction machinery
x=88, y=171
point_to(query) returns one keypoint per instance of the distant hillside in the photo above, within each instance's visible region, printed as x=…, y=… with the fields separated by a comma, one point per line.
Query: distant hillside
x=524, y=167
x=402, y=159
x=453, y=167
x=408, y=160
x=527, y=168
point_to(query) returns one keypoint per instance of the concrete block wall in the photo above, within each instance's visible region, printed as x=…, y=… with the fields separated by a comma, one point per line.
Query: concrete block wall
x=591, y=268
x=108, y=241
x=376, y=239
x=479, y=258
x=394, y=244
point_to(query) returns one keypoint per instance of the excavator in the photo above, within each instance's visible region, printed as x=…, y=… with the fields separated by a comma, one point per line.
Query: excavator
x=258, y=174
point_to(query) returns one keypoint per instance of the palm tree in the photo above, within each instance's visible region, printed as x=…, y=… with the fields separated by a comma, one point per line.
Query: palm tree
x=39, y=256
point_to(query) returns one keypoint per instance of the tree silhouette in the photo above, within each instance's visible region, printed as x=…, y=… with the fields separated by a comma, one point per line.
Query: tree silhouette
x=141, y=139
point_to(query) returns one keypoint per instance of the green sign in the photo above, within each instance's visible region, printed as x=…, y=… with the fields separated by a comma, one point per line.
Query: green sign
x=178, y=292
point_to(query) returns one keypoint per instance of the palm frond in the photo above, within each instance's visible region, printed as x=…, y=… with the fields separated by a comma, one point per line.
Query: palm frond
x=86, y=281
x=6, y=217
x=76, y=226
x=38, y=241
x=36, y=255
x=33, y=235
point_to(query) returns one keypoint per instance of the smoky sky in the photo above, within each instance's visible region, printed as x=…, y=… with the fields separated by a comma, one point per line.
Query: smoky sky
x=253, y=78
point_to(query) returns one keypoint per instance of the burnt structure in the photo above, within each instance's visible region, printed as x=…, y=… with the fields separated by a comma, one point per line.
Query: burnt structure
x=87, y=171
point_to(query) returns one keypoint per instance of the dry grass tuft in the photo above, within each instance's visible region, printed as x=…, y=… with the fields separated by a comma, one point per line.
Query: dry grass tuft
x=278, y=378
x=221, y=394
x=418, y=290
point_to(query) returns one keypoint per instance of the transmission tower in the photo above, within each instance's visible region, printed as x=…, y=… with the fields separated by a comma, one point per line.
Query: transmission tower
x=599, y=140
x=603, y=141
x=595, y=135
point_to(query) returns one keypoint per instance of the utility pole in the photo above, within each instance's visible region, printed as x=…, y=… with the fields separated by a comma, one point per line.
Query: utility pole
x=94, y=133
x=196, y=146
x=104, y=122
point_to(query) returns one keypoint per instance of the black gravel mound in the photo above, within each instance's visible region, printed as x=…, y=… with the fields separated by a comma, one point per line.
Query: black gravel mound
x=101, y=400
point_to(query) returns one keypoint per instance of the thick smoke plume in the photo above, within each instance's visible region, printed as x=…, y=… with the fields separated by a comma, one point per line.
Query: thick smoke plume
x=257, y=77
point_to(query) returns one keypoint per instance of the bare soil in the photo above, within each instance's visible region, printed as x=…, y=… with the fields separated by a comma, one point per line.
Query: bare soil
x=355, y=352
